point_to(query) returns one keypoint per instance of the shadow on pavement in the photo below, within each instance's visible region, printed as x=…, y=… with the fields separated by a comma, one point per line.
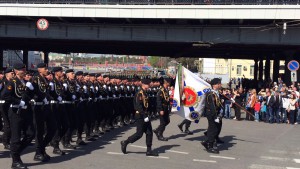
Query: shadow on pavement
x=163, y=149
x=85, y=150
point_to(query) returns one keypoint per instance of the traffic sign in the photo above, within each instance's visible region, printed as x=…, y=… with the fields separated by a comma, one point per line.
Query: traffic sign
x=42, y=24
x=293, y=65
x=293, y=76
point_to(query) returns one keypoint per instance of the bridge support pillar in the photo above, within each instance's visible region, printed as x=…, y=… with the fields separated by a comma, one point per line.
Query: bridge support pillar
x=255, y=69
x=267, y=68
x=261, y=69
x=25, y=58
x=276, y=67
x=46, y=57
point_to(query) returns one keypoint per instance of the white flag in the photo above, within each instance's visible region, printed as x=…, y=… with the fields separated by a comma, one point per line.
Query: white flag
x=190, y=104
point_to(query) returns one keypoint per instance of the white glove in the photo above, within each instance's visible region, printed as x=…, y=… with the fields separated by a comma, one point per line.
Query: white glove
x=73, y=97
x=45, y=101
x=90, y=99
x=65, y=85
x=29, y=85
x=95, y=100
x=114, y=95
x=85, y=89
x=146, y=119
x=233, y=101
x=97, y=88
x=22, y=103
x=80, y=99
x=59, y=98
x=217, y=120
x=51, y=85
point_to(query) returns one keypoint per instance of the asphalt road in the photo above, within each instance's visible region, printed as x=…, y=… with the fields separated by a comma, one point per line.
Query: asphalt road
x=248, y=145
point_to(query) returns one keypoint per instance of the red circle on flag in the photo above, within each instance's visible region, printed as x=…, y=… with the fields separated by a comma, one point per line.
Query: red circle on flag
x=191, y=97
x=42, y=24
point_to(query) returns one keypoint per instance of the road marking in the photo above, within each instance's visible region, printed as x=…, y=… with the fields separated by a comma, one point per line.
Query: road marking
x=257, y=166
x=178, y=152
x=283, y=152
x=224, y=157
x=110, y=142
x=136, y=146
x=205, y=161
x=297, y=160
x=115, y=153
x=291, y=168
x=162, y=157
x=274, y=158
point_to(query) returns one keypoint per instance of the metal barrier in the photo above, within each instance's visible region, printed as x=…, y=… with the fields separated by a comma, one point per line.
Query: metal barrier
x=159, y=2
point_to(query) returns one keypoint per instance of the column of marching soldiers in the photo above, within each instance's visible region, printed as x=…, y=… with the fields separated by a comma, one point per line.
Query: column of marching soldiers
x=51, y=107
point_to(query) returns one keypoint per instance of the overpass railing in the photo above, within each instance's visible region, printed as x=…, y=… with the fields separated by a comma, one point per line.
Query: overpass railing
x=158, y=2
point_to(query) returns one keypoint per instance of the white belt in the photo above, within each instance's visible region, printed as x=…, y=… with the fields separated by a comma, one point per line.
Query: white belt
x=38, y=103
x=68, y=102
x=53, y=102
x=2, y=101
x=17, y=106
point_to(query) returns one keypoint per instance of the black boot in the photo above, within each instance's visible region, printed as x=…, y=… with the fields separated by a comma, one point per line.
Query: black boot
x=124, y=144
x=212, y=149
x=150, y=152
x=69, y=146
x=40, y=157
x=180, y=127
x=161, y=137
x=58, y=151
x=205, y=144
x=80, y=142
x=6, y=146
x=18, y=165
x=187, y=131
x=156, y=133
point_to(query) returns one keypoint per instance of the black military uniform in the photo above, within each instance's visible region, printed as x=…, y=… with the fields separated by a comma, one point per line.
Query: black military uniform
x=163, y=104
x=143, y=120
x=58, y=110
x=42, y=115
x=212, y=107
x=16, y=95
x=4, y=113
x=80, y=108
x=69, y=102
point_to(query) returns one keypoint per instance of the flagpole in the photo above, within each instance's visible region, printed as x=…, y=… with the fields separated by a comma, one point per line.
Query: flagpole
x=239, y=106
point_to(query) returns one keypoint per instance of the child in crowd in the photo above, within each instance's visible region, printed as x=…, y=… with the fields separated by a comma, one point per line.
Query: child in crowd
x=257, y=109
x=263, y=110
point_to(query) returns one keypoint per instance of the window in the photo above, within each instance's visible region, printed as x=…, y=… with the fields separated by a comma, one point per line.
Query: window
x=251, y=70
x=239, y=70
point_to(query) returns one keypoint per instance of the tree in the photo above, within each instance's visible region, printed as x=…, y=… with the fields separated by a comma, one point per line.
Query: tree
x=154, y=61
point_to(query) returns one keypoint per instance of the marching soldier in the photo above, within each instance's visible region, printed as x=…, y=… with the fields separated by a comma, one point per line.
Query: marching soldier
x=16, y=95
x=80, y=107
x=69, y=102
x=8, y=75
x=143, y=120
x=42, y=113
x=163, y=107
x=212, y=107
x=57, y=108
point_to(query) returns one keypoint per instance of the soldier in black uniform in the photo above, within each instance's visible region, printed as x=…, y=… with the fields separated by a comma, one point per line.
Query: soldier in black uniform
x=80, y=107
x=57, y=108
x=212, y=108
x=143, y=120
x=163, y=107
x=9, y=74
x=42, y=113
x=16, y=95
x=69, y=102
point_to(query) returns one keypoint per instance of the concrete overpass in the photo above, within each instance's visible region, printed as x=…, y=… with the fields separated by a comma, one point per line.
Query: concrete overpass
x=220, y=31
